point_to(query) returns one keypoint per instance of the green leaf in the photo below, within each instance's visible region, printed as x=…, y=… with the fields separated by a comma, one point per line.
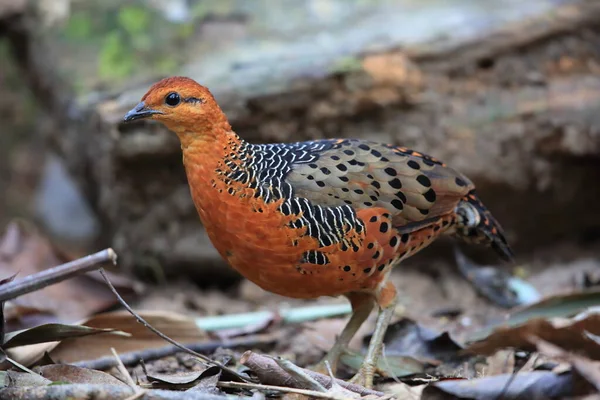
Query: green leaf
x=79, y=26
x=115, y=60
x=52, y=333
x=134, y=20
x=557, y=306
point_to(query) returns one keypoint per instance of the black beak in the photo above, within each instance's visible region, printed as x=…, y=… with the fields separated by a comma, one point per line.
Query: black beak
x=138, y=112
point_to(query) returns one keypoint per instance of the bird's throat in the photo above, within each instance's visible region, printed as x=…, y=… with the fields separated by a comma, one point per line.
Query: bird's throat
x=207, y=158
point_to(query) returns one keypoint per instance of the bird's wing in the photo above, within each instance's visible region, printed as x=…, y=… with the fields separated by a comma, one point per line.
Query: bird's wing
x=413, y=187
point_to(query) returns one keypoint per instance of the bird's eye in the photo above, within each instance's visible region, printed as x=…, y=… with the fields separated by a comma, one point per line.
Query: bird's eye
x=172, y=99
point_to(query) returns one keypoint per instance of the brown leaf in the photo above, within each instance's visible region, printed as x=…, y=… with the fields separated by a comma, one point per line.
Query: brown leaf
x=569, y=334
x=208, y=381
x=179, y=327
x=176, y=378
x=26, y=252
x=51, y=333
x=501, y=362
x=72, y=374
x=588, y=369
x=22, y=379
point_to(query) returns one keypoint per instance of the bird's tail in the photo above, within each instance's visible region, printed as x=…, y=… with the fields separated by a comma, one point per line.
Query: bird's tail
x=476, y=225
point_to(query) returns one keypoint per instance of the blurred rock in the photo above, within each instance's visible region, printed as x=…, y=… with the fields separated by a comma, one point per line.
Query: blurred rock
x=60, y=205
x=511, y=101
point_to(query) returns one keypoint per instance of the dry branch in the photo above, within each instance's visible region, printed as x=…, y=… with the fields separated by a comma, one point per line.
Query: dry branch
x=270, y=373
x=50, y=276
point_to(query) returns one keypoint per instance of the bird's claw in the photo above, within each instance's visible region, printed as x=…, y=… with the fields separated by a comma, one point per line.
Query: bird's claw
x=364, y=376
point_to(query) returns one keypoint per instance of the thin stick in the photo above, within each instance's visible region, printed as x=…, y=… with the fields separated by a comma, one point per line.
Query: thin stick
x=16, y=364
x=124, y=372
x=142, y=321
x=53, y=275
x=300, y=374
x=306, y=392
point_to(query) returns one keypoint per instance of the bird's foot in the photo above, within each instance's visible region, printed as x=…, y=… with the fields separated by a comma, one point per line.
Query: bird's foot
x=364, y=376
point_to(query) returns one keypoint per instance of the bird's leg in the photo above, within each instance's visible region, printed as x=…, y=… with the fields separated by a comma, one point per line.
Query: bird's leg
x=386, y=298
x=362, y=304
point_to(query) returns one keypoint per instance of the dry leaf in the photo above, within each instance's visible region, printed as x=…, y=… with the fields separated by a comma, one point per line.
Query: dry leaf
x=408, y=338
x=176, y=378
x=501, y=362
x=73, y=374
x=51, y=333
x=21, y=379
x=178, y=327
x=588, y=369
x=569, y=334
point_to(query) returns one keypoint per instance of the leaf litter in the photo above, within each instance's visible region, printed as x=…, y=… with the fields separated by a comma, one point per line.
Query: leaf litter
x=545, y=348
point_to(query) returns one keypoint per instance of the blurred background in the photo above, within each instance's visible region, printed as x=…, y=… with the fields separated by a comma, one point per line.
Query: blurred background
x=506, y=91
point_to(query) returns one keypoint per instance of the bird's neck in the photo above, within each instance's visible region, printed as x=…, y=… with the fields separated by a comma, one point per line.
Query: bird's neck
x=210, y=159
x=210, y=148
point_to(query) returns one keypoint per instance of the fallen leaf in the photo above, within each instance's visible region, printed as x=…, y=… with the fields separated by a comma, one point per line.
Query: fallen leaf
x=496, y=284
x=407, y=338
x=204, y=381
x=176, y=379
x=73, y=374
x=21, y=379
x=52, y=333
x=520, y=386
x=569, y=334
x=501, y=362
x=177, y=326
x=586, y=368
x=208, y=381
x=26, y=251
x=557, y=306
x=387, y=366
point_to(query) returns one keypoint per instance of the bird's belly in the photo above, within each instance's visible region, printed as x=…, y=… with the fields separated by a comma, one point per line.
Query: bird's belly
x=259, y=241
x=269, y=254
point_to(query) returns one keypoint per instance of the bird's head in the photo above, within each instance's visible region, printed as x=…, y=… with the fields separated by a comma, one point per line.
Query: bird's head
x=182, y=105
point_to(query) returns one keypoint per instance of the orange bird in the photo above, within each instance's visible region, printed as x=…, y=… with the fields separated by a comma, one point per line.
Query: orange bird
x=319, y=218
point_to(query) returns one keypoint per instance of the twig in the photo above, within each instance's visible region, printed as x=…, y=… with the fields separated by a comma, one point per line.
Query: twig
x=270, y=373
x=124, y=372
x=134, y=357
x=142, y=321
x=284, y=389
x=53, y=275
x=300, y=374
